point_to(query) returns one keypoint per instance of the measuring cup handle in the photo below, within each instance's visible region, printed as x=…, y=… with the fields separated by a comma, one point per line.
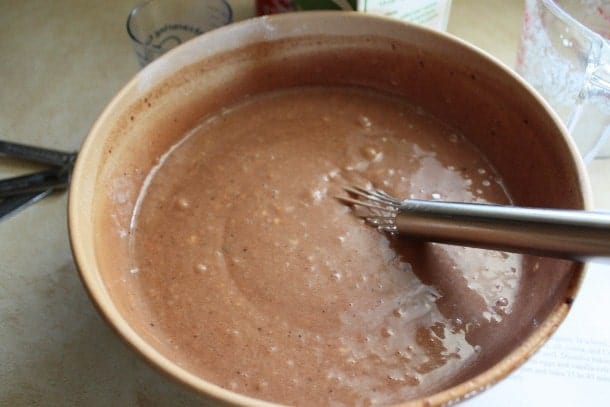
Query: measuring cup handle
x=596, y=88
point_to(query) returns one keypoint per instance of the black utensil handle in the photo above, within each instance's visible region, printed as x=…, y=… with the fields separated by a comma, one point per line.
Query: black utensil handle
x=37, y=154
x=38, y=181
x=14, y=204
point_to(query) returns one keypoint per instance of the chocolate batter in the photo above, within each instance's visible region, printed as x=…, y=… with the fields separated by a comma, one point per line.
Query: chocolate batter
x=265, y=284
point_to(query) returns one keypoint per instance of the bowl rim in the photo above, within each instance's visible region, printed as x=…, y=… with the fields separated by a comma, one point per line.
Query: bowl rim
x=206, y=45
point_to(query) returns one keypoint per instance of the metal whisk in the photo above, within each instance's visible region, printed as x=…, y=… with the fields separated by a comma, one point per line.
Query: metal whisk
x=564, y=233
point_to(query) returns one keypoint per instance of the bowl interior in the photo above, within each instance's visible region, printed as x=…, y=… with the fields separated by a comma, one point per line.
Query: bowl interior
x=453, y=81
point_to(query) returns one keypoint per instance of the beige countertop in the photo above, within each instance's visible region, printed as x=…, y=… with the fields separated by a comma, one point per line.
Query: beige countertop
x=60, y=64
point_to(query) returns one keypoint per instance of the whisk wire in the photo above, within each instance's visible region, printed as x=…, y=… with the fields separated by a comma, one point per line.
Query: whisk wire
x=383, y=207
x=361, y=203
x=374, y=195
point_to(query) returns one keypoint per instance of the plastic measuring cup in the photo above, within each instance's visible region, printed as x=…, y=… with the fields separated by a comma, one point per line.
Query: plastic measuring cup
x=565, y=54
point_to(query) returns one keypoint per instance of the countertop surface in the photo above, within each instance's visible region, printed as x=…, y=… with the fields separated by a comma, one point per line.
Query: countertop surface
x=60, y=63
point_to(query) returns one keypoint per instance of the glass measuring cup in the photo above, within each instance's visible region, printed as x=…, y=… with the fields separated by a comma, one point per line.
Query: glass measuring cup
x=156, y=26
x=565, y=54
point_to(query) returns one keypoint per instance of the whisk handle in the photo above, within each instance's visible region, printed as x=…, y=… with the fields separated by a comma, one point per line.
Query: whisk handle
x=572, y=234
